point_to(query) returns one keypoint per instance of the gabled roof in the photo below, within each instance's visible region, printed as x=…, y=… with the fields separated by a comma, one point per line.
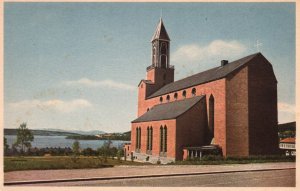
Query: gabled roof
x=170, y=110
x=206, y=76
x=288, y=140
x=160, y=32
x=146, y=81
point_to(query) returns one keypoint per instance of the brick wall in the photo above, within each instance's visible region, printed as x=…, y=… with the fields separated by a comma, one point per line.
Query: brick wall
x=171, y=126
x=215, y=88
x=237, y=143
x=191, y=128
x=263, y=138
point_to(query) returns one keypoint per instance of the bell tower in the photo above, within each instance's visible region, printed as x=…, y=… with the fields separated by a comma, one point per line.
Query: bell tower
x=160, y=47
x=160, y=72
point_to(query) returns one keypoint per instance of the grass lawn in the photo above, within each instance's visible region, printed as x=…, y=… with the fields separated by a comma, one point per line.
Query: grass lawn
x=59, y=162
x=67, y=162
x=215, y=160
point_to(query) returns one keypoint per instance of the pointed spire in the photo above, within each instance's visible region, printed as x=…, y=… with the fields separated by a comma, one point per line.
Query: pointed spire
x=160, y=32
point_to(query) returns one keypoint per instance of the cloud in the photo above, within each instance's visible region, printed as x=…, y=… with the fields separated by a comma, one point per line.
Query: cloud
x=285, y=107
x=55, y=104
x=217, y=49
x=104, y=83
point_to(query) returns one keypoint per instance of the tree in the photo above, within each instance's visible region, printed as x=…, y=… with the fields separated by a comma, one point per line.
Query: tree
x=24, y=137
x=76, y=147
x=104, y=152
x=88, y=152
x=6, y=146
x=120, y=154
x=76, y=151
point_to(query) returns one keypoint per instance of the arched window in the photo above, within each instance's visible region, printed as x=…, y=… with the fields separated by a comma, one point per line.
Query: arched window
x=194, y=91
x=161, y=139
x=161, y=99
x=165, y=139
x=184, y=94
x=153, y=55
x=163, y=48
x=148, y=109
x=211, y=114
x=175, y=96
x=168, y=98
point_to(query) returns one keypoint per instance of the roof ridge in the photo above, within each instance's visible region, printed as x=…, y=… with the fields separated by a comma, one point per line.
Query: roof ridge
x=215, y=75
x=170, y=110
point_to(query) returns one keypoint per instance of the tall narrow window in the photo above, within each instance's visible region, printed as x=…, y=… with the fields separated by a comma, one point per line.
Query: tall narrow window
x=148, y=138
x=140, y=138
x=161, y=139
x=163, y=57
x=163, y=61
x=211, y=114
x=165, y=139
x=151, y=138
x=184, y=94
x=137, y=138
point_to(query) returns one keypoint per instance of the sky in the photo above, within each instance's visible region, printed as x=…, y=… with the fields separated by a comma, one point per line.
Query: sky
x=76, y=66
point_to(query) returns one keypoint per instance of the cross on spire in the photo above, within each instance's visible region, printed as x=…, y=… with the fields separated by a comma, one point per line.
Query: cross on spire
x=258, y=44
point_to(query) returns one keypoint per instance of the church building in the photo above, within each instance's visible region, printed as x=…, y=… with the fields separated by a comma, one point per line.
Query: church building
x=232, y=107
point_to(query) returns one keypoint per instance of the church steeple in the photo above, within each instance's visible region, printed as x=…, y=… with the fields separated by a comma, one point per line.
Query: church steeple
x=160, y=72
x=160, y=47
x=160, y=32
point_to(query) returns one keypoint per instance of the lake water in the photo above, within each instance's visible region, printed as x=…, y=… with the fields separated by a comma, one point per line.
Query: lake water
x=61, y=141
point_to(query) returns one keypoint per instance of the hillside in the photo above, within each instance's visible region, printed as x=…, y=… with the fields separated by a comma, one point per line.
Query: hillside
x=287, y=126
x=41, y=132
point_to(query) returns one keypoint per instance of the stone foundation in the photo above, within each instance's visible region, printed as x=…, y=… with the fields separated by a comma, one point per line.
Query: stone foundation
x=142, y=157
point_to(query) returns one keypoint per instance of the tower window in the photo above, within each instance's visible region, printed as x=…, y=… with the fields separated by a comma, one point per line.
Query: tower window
x=163, y=61
x=184, y=94
x=168, y=98
x=163, y=48
x=175, y=96
x=161, y=99
x=194, y=91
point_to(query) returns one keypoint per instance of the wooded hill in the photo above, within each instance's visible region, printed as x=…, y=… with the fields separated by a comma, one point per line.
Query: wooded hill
x=41, y=132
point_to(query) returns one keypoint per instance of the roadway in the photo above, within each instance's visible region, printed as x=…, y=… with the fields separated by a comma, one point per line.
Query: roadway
x=273, y=178
x=259, y=174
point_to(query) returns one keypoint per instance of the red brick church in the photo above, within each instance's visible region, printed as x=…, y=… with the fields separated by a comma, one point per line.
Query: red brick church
x=232, y=107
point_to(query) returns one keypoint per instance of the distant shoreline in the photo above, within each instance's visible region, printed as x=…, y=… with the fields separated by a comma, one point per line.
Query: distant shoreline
x=75, y=136
x=121, y=137
x=40, y=132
